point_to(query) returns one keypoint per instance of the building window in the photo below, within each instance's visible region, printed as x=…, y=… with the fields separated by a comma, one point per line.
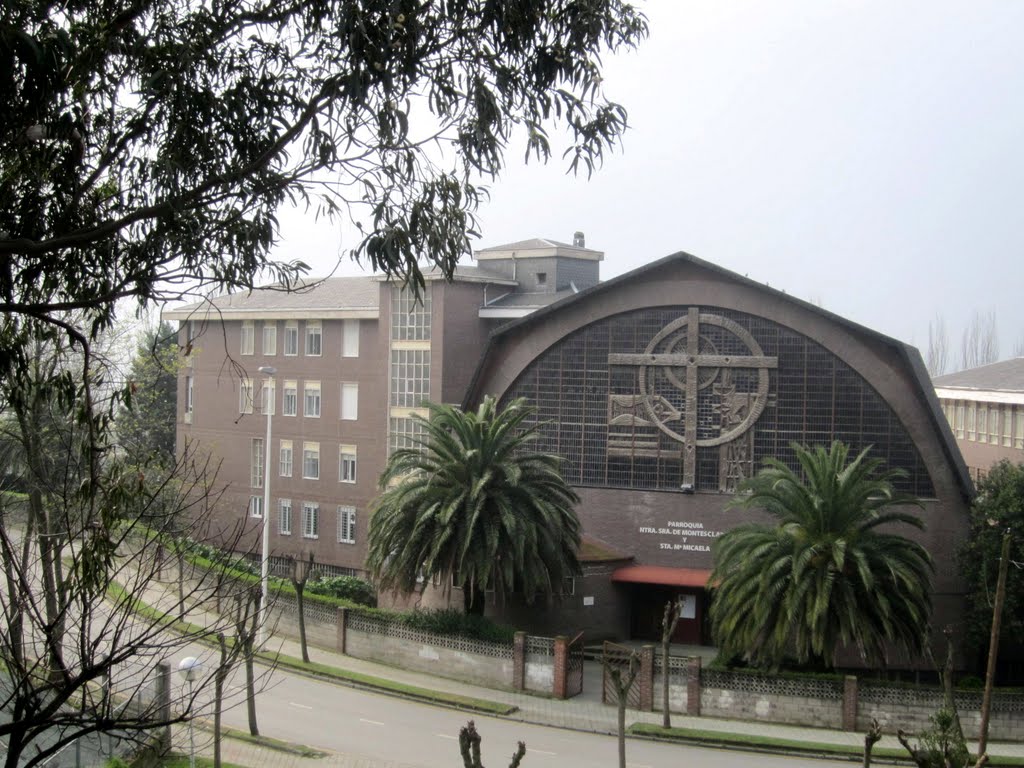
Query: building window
x=349, y=401
x=268, y=394
x=993, y=425
x=286, y=458
x=1018, y=428
x=314, y=338
x=1007, y=427
x=189, y=402
x=410, y=317
x=284, y=520
x=255, y=506
x=248, y=337
x=982, y=424
x=960, y=420
x=256, y=462
x=311, y=461
x=291, y=339
x=245, y=396
x=269, y=338
x=350, y=338
x=290, y=398
x=403, y=432
x=542, y=278
x=311, y=399
x=310, y=520
x=346, y=525
x=347, y=464
x=410, y=377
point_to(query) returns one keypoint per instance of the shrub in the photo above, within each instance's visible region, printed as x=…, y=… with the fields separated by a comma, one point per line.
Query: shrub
x=346, y=587
x=455, y=622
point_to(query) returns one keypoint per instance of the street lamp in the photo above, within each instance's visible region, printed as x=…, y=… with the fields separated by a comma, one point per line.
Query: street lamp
x=189, y=669
x=266, y=370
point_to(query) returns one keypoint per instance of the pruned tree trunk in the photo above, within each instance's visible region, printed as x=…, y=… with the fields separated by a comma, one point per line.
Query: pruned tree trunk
x=247, y=622
x=469, y=747
x=870, y=739
x=227, y=659
x=622, y=683
x=301, y=568
x=668, y=626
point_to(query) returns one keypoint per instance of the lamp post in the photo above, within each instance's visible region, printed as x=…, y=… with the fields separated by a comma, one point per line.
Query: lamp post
x=266, y=370
x=189, y=669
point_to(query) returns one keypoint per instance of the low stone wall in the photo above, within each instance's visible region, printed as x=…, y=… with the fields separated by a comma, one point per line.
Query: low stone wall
x=539, y=668
x=488, y=664
x=772, y=699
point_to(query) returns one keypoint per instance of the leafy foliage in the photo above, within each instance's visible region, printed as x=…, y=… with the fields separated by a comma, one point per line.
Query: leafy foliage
x=346, y=587
x=454, y=622
x=146, y=423
x=823, y=575
x=473, y=505
x=999, y=507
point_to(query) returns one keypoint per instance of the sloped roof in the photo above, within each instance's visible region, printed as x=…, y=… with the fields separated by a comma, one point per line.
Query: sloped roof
x=540, y=244
x=530, y=299
x=334, y=294
x=909, y=355
x=1005, y=376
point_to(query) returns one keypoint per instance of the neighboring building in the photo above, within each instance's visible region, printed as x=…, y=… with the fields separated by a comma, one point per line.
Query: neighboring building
x=661, y=389
x=985, y=408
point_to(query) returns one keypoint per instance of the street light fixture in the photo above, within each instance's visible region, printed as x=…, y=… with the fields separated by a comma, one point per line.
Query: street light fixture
x=189, y=669
x=266, y=370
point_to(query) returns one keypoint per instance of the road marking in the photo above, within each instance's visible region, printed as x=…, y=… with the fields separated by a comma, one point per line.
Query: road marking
x=371, y=722
x=446, y=736
x=545, y=752
x=300, y=706
x=637, y=765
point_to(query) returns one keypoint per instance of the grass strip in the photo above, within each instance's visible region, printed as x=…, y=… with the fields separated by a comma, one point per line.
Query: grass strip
x=271, y=743
x=182, y=761
x=326, y=671
x=776, y=744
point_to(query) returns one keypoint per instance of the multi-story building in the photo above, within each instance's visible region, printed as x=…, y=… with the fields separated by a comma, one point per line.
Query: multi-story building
x=985, y=408
x=661, y=389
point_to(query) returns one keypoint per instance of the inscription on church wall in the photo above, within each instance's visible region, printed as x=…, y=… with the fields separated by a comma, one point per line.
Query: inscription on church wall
x=686, y=536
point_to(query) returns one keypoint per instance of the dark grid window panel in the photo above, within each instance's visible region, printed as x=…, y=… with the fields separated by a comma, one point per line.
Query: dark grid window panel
x=815, y=399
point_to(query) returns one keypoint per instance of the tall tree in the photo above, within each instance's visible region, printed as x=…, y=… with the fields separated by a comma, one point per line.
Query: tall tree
x=937, y=359
x=146, y=423
x=473, y=505
x=824, y=575
x=998, y=508
x=979, y=344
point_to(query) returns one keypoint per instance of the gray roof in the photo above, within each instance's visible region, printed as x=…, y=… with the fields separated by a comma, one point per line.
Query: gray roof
x=331, y=294
x=1007, y=376
x=469, y=272
x=527, y=300
x=538, y=244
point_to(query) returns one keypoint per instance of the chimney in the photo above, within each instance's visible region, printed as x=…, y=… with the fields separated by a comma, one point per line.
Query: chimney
x=578, y=240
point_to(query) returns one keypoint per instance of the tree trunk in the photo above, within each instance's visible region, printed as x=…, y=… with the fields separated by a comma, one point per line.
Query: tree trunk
x=250, y=689
x=622, y=731
x=668, y=626
x=218, y=695
x=473, y=601
x=300, y=588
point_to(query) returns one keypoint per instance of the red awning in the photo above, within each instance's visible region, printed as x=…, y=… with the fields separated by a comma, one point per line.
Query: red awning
x=658, y=574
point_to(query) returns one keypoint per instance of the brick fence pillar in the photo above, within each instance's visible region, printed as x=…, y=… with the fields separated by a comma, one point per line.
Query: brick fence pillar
x=646, y=678
x=693, y=688
x=561, y=666
x=341, y=624
x=519, y=661
x=849, y=703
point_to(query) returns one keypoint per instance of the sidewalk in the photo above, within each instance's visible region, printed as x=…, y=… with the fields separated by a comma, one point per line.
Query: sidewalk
x=584, y=712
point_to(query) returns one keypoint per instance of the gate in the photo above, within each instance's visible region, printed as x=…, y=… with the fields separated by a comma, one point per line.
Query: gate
x=619, y=657
x=574, y=667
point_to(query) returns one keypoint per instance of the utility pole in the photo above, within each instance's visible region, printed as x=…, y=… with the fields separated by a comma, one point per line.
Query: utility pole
x=993, y=644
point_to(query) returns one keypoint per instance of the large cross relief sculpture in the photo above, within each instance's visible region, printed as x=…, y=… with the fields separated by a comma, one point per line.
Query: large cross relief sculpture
x=703, y=382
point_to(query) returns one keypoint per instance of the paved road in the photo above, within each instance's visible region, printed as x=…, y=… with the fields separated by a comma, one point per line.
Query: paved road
x=374, y=729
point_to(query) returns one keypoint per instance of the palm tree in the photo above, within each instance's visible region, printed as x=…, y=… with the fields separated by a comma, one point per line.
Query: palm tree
x=471, y=504
x=824, y=575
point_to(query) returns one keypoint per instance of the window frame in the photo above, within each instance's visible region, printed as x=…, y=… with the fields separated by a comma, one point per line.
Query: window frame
x=313, y=449
x=246, y=396
x=291, y=339
x=256, y=507
x=293, y=387
x=269, y=335
x=285, y=445
x=352, y=413
x=346, y=524
x=256, y=458
x=312, y=389
x=282, y=505
x=247, y=338
x=314, y=330
x=268, y=395
x=347, y=455
x=310, y=520
x=350, y=338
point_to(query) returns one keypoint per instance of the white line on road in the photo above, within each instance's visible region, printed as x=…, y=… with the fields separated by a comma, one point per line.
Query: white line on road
x=545, y=752
x=300, y=706
x=447, y=736
x=371, y=722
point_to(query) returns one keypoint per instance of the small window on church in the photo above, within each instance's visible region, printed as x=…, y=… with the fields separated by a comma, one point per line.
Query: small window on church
x=542, y=278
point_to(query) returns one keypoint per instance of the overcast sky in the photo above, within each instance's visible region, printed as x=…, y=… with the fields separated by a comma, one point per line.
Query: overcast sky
x=868, y=156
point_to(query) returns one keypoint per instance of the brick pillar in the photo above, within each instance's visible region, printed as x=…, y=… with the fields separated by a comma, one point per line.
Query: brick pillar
x=341, y=624
x=849, y=703
x=519, y=661
x=693, y=688
x=561, y=666
x=645, y=678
